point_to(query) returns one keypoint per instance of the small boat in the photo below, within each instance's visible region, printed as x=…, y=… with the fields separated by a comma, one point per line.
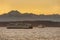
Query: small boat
x=19, y=26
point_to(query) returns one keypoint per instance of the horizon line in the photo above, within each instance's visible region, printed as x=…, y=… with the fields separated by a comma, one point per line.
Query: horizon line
x=29, y=13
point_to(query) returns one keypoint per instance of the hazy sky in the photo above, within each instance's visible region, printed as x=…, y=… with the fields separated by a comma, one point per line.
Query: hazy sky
x=31, y=6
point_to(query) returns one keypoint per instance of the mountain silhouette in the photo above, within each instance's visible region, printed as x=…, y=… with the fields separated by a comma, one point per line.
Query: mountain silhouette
x=14, y=12
x=15, y=15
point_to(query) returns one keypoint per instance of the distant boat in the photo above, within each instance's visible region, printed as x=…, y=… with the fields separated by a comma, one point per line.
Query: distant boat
x=19, y=26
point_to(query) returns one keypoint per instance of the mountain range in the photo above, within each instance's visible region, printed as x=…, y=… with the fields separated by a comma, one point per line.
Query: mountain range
x=15, y=15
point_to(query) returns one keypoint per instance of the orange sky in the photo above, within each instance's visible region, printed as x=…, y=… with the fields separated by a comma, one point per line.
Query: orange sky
x=31, y=6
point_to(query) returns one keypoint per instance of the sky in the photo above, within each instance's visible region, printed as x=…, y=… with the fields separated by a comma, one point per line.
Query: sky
x=31, y=6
